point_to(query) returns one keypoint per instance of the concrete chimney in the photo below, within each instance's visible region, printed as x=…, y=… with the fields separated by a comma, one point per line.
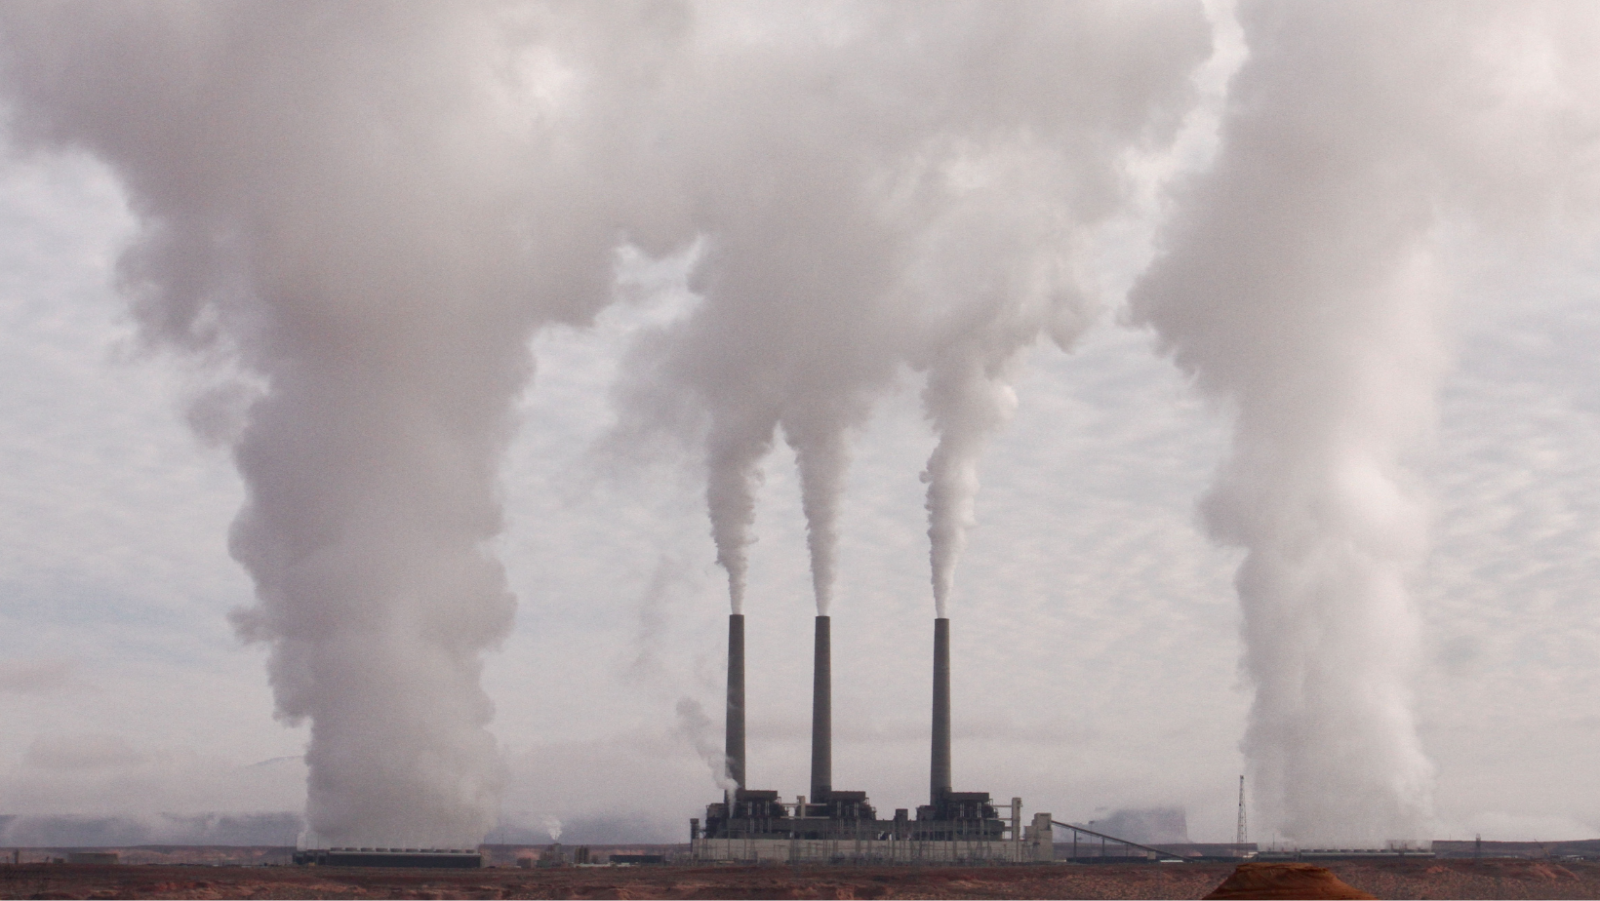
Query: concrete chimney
x=734, y=746
x=940, y=775
x=822, y=717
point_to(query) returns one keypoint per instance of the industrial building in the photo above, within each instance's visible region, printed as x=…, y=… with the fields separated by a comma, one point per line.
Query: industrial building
x=427, y=858
x=830, y=825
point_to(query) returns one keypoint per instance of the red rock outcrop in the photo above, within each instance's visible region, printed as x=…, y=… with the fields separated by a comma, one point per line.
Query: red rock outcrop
x=1284, y=880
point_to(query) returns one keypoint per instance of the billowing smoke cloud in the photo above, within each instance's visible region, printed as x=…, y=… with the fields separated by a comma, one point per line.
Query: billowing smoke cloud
x=785, y=174
x=1302, y=281
x=367, y=208
x=884, y=187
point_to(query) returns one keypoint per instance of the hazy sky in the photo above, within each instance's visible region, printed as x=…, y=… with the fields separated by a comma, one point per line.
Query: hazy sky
x=1096, y=628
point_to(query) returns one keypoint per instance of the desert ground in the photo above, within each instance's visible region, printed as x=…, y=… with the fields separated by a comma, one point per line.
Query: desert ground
x=1502, y=878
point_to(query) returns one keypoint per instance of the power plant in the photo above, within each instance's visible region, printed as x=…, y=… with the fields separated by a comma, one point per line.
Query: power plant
x=409, y=858
x=838, y=826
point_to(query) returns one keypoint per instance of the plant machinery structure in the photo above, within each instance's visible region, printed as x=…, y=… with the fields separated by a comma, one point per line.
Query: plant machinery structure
x=428, y=858
x=834, y=825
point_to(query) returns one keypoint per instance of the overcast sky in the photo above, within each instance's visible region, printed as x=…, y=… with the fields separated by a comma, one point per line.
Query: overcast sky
x=1096, y=629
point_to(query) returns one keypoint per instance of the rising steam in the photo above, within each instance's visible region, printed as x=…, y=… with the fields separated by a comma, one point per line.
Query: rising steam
x=1301, y=281
x=352, y=203
x=696, y=728
x=368, y=210
x=917, y=203
x=995, y=275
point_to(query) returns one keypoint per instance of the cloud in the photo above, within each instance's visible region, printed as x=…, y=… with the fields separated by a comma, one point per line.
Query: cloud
x=94, y=751
x=34, y=677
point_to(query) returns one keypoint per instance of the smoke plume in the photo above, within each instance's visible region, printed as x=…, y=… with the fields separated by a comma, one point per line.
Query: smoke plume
x=696, y=728
x=1302, y=281
x=368, y=209
x=996, y=273
x=882, y=188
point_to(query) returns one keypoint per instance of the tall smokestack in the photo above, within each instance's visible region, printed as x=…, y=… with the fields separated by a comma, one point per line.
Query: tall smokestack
x=734, y=749
x=822, y=717
x=940, y=776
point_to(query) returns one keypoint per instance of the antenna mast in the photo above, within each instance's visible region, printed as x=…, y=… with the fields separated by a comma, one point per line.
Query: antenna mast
x=1243, y=833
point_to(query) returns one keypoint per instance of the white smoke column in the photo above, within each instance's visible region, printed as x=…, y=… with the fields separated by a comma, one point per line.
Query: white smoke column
x=1301, y=283
x=787, y=333
x=882, y=185
x=368, y=208
x=997, y=284
x=823, y=461
x=966, y=403
x=732, y=475
x=696, y=728
x=1003, y=267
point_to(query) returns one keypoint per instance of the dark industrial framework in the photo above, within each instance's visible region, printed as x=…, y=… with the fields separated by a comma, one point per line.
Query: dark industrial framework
x=754, y=824
x=425, y=858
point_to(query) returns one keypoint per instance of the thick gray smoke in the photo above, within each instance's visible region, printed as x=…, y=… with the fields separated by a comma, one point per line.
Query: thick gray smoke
x=891, y=186
x=1302, y=281
x=368, y=208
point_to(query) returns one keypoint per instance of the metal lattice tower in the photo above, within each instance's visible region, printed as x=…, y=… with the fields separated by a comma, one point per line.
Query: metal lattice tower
x=1243, y=833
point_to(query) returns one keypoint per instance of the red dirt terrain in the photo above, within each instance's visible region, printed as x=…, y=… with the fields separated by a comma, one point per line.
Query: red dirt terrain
x=1383, y=879
x=1284, y=880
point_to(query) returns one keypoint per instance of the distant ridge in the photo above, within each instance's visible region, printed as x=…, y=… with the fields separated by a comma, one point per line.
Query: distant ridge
x=209, y=829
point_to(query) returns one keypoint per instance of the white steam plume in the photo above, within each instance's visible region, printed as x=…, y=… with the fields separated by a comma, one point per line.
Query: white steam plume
x=696, y=728
x=1301, y=281
x=823, y=461
x=996, y=274
x=733, y=472
x=887, y=186
x=787, y=333
x=368, y=208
